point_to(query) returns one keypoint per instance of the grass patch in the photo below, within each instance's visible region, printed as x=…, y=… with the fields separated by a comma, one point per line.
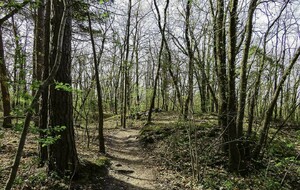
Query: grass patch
x=102, y=161
x=107, y=115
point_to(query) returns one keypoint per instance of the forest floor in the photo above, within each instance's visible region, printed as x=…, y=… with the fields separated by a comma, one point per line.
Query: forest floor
x=130, y=167
x=164, y=155
x=127, y=165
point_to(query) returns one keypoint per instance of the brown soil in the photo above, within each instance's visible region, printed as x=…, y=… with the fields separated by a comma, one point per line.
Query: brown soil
x=131, y=168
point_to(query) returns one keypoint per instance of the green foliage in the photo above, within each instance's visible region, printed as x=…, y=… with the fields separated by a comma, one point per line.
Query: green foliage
x=35, y=84
x=34, y=129
x=54, y=175
x=51, y=135
x=12, y=4
x=210, y=183
x=282, y=164
x=66, y=87
x=63, y=87
x=26, y=97
x=19, y=180
x=103, y=1
x=80, y=9
x=36, y=4
x=105, y=15
x=272, y=184
x=228, y=184
x=160, y=131
x=18, y=126
x=254, y=49
x=103, y=161
x=37, y=178
x=23, y=99
x=49, y=140
x=18, y=111
x=281, y=148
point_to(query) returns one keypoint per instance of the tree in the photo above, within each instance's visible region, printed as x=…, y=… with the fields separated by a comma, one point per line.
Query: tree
x=30, y=111
x=62, y=153
x=270, y=109
x=162, y=28
x=219, y=41
x=234, y=154
x=189, y=100
x=4, y=86
x=231, y=119
x=98, y=85
x=261, y=53
x=3, y=70
x=41, y=70
x=125, y=68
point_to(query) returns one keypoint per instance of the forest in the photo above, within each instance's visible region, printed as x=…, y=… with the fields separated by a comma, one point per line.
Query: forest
x=150, y=94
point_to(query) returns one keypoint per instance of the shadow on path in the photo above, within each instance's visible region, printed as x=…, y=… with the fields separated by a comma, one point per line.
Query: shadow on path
x=129, y=169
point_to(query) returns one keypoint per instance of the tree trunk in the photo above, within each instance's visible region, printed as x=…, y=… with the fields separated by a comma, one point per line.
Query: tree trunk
x=62, y=153
x=234, y=154
x=98, y=86
x=43, y=122
x=220, y=49
x=162, y=31
x=268, y=114
x=189, y=100
x=244, y=68
x=4, y=86
x=125, y=69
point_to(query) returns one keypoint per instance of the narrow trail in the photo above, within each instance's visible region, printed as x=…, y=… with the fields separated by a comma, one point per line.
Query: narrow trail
x=130, y=168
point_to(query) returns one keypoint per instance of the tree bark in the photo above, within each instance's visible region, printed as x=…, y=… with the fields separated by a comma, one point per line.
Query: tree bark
x=43, y=61
x=220, y=50
x=234, y=154
x=98, y=86
x=189, y=100
x=125, y=67
x=162, y=31
x=4, y=86
x=244, y=68
x=62, y=153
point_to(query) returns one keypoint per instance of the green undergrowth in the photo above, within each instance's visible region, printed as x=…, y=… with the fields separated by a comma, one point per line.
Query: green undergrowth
x=179, y=144
x=89, y=174
x=103, y=162
x=107, y=115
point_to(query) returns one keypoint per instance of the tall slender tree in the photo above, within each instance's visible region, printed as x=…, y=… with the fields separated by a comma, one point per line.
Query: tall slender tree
x=189, y=99
x=98, y=85
x=125, y=68
x=162, y=28
x=4, y=86
x=43, y=122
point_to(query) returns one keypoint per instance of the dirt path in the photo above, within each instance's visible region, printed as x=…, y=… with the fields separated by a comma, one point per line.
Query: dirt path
x=130, y=167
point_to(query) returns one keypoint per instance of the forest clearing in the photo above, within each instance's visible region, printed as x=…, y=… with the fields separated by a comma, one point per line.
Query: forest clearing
x=150, y=94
